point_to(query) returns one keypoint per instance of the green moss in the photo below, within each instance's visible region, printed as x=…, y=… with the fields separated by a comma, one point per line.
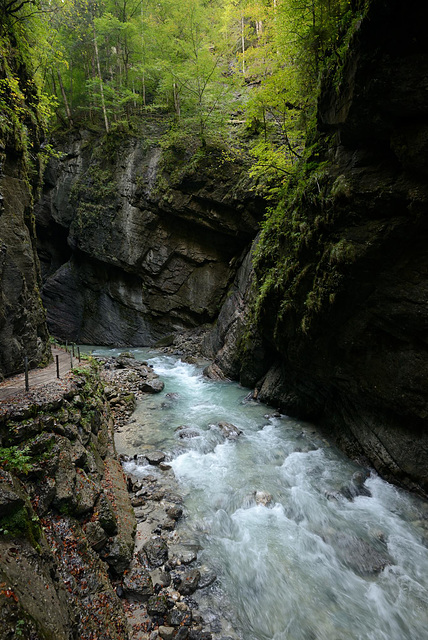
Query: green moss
x=22, y=522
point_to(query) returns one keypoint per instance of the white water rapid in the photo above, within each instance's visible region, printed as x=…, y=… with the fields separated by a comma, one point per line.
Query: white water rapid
x=337, y=554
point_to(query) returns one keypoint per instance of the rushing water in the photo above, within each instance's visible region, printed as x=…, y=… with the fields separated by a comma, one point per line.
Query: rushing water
x=323, y=560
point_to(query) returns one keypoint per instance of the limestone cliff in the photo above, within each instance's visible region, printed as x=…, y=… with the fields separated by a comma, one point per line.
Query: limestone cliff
x=343, y=309
x=22, y=318
x=137, y=241
x=65, y=518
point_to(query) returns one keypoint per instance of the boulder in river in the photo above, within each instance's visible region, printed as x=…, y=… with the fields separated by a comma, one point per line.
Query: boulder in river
x=151, y=386
x=229, y=430
x=155, y=457
x=359, y=555
x=263, y=497
x=189, y=582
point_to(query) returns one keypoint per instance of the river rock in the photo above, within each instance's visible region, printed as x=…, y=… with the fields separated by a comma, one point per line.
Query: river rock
x=182, y=634
x=263, y=497
x=155, y=457
x=185, y=432
x=208, y=576
x=229, y=430
x=138, y=584
x=152, y=386
x=157, y=605
x=178, y=618
x=161, y=578
x=174, y=511
x=358, y=554
x=156, y=551
x=356, y=486
x=166, y=633
x=189, y=582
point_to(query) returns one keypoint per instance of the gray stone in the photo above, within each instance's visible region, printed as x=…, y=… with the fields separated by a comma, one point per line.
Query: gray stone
x=106, y=515
x=86, y=493
x=229, y=430
x=137, y=583
x=155, y=457
x=152, y=386
x=174, y=511
x=96, y=535
x=156, y=550
x=167, y=633
x=157, y=605
x=189, y=582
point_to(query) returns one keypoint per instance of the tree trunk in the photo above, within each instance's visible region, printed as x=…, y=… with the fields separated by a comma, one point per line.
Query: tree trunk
x=103, y=105
x=64, y=97
x=243, y=44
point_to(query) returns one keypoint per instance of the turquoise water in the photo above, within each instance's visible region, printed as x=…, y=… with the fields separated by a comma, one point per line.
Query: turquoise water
x=310, y=565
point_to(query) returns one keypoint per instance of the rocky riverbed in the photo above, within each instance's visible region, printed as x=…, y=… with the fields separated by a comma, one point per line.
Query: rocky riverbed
x=158, y=586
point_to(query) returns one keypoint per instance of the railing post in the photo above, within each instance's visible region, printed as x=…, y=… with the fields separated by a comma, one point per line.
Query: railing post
x=57, y=366
x=27, y=386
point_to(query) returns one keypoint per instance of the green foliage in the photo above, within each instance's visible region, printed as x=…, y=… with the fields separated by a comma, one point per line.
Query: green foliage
x=15, y=459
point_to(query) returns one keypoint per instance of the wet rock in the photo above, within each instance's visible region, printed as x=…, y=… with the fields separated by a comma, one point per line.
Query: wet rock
x=183, y=556
x=208, y=576
x=358, y=554
x=187, y=434
x=229, y=430
x=155, y=457
x=164, y=466
x=161, y=578
x=356, y=487
x=174, y=511
x=263, y=497
x=182, y=634
x=138, y=584
x=152, y=386
x=156, y=551
x=199, y=635
x=189, y=582
x=157, y=605
x=177, y=618
x=167, y=633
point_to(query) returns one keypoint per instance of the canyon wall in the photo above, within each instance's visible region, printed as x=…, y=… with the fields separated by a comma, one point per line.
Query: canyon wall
x=23, y=330
x=137, y=241
x=342, y=318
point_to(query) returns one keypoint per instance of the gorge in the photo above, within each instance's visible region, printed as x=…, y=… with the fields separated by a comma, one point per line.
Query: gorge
x=316, y=300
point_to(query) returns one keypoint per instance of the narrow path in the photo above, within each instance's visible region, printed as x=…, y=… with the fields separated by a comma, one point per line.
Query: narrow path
x=39, y=377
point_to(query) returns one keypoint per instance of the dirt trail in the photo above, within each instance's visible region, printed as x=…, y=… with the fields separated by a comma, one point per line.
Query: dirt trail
x=38, y=377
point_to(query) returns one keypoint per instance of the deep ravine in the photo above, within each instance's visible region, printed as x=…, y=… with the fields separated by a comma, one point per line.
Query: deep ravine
x=306, y=544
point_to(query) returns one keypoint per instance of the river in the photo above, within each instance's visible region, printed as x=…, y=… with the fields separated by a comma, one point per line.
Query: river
x=307, y=545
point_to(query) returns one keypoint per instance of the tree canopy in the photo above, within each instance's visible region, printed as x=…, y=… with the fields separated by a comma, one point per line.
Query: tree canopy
x=210, y=65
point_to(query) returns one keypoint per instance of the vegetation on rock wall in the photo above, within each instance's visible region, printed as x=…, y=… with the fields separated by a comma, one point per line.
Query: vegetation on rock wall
x=60, y=520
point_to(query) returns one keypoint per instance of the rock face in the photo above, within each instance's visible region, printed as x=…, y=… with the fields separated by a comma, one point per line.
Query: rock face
x=66, y=518
x=343, y=333
x=23, y=328
x=135, y=242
